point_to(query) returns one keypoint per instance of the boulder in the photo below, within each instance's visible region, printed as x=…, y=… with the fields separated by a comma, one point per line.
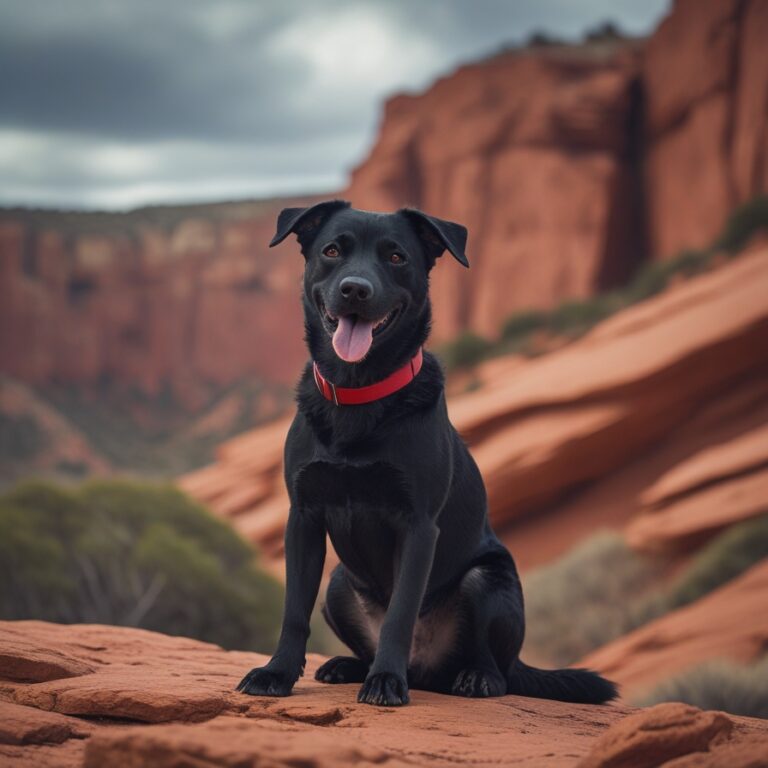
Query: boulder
x=675, y=735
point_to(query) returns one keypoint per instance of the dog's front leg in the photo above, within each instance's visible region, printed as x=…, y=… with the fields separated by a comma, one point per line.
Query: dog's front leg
x=304, y=558
x=386, y=683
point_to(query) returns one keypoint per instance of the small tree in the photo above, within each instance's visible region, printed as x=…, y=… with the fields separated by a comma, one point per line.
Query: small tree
x=132, y=554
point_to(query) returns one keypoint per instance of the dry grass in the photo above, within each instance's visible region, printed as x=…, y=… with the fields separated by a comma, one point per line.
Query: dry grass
x=721, y=685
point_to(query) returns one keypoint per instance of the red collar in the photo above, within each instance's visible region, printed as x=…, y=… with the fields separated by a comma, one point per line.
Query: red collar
x=361, y=395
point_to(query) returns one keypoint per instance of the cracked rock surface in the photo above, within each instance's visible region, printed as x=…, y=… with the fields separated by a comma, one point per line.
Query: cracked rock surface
x=120, y=696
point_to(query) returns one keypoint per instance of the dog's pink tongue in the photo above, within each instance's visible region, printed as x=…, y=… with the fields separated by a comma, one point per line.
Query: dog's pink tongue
x=353, y=338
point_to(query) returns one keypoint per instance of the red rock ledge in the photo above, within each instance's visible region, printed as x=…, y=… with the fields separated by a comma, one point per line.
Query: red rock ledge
x=93, y=696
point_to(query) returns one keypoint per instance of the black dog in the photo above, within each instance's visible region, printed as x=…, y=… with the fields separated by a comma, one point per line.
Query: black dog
x=425, y=594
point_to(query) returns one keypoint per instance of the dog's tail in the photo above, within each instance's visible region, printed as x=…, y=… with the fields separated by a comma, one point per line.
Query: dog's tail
x=578, y=686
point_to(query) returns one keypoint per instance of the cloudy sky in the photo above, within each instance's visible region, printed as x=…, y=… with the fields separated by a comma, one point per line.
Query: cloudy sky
x=119, y=103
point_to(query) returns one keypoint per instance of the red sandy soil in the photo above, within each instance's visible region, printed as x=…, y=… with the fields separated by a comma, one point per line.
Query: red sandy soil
x=90, y=695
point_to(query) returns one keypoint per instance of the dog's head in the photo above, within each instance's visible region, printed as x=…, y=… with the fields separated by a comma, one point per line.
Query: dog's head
x=366, y=276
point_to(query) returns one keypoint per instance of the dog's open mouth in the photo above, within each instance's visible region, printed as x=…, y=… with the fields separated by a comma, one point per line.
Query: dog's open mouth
x=352, y=335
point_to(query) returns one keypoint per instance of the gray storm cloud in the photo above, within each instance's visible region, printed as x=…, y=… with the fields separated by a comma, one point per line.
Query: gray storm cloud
x=116, y=104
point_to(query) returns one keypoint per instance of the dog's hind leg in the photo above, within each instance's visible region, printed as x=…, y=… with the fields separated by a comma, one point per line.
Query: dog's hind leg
x=492, y=602
x=346, y=616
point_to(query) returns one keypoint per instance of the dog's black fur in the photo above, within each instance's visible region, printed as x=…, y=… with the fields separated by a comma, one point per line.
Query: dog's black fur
x=425, y=595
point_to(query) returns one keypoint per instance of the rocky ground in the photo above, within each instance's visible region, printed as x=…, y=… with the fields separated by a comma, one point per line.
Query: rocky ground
x=95, y=696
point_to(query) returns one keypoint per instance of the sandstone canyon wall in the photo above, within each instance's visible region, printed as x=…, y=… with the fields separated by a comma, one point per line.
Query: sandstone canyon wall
x=189, y=304
x=532, y=151
x=657, y=419
x=705, y=80
x=569, y=164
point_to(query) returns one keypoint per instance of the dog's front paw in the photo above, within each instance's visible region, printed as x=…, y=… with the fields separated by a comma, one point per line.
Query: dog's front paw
x=476, y=684
x=263, y=681
x=342, y=669
x=385, y=690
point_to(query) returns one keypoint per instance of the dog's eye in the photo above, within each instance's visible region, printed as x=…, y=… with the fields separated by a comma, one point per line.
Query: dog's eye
x=396, y=258
x=331, y=251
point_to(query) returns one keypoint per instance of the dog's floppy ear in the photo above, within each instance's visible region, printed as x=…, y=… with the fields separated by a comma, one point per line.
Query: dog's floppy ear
x=438, y=235
x=305, y=222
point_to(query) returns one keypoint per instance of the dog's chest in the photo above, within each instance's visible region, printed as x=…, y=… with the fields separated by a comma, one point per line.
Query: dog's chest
x=363, y=506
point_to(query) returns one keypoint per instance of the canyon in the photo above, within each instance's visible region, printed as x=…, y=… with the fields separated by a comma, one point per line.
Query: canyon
x=126, y=338
x=570, y=164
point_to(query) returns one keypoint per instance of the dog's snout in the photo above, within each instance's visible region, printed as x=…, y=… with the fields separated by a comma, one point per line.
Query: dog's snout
x=356, y=288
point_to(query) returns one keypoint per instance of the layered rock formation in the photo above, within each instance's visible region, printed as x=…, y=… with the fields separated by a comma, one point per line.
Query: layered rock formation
x=95, y=696
x=705, y=80
x=660, y=407
x=715, y=488
x=159, y=303
x=532, y=152
x=729, y=623
x=569, y=164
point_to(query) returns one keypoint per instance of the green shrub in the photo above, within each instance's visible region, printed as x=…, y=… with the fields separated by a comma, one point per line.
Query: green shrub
x=725, y=558
x=743, y=223
x=465, y=351
x=583, y=600
x=134, y=554
x=572, y=318
x=20, y=437
x=602, y=590
x=722, y=559
x=523, y=324
x=720, y=685
x=653, y=278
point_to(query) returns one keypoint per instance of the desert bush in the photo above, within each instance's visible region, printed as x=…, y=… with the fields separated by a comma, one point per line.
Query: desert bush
x=20, y=437
x=602, y=590
x=523, y=324
x=652, y=279
x=724, y=558
x=134, y=554
x=720, y=685
x=607, y=31
x=743, y=223
x=573, y=318
x=584, y=600
x=465, y=351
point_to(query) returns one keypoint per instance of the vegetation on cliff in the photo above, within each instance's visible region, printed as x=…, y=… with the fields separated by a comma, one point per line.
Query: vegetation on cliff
x=611, y=590
x=736, y=688
x=133, y=554
x=522, y=332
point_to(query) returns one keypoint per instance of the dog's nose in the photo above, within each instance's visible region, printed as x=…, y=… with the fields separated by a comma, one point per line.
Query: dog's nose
x=356, y=288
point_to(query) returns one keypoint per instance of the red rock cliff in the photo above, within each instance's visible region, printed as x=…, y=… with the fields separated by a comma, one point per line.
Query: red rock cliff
x=705, y=80
x=529, y=149
x=570, y=163
x=189, y=305
x=567, y=163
